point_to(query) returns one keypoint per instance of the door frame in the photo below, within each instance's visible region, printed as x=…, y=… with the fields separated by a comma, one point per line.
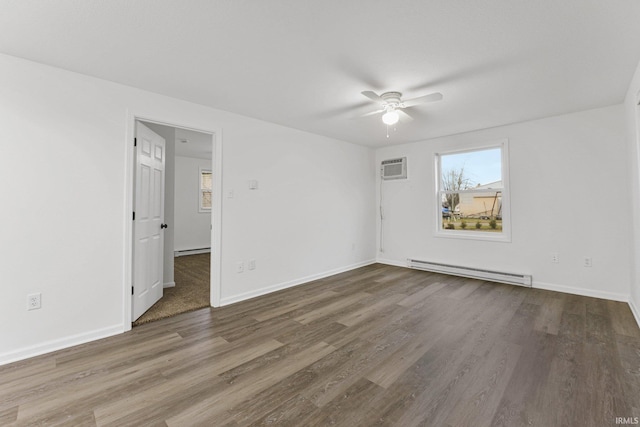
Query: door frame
x=216, y=211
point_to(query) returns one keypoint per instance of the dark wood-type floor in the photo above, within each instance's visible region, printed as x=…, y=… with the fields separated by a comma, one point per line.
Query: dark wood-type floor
x=375, y=346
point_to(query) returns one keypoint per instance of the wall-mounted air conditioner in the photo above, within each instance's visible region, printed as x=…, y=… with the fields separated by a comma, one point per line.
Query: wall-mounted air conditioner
x=394, y=168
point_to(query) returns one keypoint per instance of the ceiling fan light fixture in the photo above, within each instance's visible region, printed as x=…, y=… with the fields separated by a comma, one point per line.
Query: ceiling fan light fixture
x=391, y=117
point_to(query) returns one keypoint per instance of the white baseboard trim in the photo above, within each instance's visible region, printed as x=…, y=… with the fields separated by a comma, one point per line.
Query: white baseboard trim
x=635, y=311
x=59, y=344
x=169, y=285
x=392, y=262
x=581, y=291
x=291, y=283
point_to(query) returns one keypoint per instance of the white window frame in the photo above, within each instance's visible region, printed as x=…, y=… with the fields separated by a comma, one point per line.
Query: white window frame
x=201, y=189
x=505, y=235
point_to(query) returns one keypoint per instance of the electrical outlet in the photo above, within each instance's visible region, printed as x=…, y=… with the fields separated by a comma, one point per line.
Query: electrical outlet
x=239, y=267
x=251, y=264
x=34, y=301
x=555, y=257
x=588, y=262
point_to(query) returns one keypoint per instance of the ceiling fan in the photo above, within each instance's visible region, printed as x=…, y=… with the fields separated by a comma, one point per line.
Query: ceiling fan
x=392, y=105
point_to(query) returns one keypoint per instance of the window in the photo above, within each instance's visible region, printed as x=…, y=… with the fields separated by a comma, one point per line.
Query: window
x=206, y=184
x=472, y=194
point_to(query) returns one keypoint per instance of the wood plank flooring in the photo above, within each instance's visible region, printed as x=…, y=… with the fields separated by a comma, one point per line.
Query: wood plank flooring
x=376, y=346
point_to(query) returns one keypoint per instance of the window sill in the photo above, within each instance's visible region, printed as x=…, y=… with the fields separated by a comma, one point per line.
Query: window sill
x=487, y=236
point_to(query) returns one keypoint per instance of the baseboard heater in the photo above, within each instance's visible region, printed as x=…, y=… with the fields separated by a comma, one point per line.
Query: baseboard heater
x=475, y=273
x=191, y=252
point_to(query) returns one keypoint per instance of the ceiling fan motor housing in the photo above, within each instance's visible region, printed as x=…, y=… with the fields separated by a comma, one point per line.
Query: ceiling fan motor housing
x=392, y=99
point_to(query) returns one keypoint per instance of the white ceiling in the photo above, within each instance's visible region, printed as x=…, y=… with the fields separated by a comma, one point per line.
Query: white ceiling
x=188, y=143
x=303, y=63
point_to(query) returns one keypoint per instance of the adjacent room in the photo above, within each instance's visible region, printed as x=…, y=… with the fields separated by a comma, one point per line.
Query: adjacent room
x=304, y=213
x=184, y=261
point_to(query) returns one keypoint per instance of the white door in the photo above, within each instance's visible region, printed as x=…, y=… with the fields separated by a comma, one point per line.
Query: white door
x=148, y=220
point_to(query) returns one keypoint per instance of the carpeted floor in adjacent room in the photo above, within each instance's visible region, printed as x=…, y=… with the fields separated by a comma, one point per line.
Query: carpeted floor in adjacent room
x=190, y=293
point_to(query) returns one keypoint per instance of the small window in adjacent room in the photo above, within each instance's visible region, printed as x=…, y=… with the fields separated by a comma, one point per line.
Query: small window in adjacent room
x=472, y=196
x=206, y=184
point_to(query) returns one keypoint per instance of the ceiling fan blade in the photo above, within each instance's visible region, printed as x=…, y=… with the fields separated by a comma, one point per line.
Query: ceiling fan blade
x=372, y=96
x=372, y=113
x=404, y=116
x=437, y=96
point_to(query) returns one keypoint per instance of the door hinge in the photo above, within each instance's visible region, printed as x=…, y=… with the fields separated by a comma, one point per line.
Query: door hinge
x=132, y=290
x=134, y=215
x=135, y=142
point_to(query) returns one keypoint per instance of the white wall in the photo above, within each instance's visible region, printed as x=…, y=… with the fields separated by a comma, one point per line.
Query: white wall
x=569, y=194
x=169, y=135
x=632, y=114
x=312, y=197
x=65, y=215
x=192, y=227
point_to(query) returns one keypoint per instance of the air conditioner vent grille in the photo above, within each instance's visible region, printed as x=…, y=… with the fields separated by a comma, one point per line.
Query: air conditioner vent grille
x=394, y=168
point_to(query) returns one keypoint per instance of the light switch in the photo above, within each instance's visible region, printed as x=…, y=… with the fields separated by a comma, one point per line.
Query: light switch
x=253, y=184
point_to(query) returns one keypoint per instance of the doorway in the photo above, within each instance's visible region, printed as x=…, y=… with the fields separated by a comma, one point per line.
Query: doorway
x=189, y=266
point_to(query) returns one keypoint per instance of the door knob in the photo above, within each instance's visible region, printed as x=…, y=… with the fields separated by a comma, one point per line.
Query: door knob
x=163, y=225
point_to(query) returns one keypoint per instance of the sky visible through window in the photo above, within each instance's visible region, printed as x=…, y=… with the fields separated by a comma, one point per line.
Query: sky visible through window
x=481, y=167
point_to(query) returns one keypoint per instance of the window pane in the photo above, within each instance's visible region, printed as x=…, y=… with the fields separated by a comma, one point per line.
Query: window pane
x=471, y=169
x=206, y=181
x=470, y=192
x=206, y=200
x=474, y=211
